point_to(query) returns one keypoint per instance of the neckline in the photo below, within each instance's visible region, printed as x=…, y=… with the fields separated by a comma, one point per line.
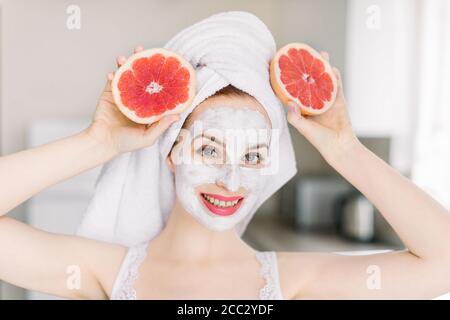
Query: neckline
x=123, y=288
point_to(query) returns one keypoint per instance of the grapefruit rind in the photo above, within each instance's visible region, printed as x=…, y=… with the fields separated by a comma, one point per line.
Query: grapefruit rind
x=280, y=89
x=131, y=114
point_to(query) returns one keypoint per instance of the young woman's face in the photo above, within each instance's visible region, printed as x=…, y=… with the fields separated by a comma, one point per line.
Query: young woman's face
x=219, y=158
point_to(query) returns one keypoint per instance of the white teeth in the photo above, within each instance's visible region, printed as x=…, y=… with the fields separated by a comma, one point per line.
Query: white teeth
x=219, y=203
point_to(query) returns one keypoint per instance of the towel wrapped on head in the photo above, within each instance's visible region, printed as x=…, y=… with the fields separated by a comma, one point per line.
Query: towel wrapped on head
x=135, y=192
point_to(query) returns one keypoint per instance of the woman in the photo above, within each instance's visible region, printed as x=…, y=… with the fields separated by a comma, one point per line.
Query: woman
x=198, y=253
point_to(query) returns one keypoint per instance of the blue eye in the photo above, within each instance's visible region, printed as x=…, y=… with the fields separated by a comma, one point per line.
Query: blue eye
x=208, y=151
x=252, y=158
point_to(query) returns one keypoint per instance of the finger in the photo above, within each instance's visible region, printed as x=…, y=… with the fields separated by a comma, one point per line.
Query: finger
x=156, y=129
x=120, y=61
x=305, y=126
x=294, y=110
x=138, y=49
x=325, y=55
x=108, y=82
x=337, y=73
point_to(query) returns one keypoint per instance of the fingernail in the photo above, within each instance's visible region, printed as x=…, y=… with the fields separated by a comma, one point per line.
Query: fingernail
x=292, y=107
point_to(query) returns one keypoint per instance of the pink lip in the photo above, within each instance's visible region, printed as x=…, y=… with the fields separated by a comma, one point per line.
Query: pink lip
x=221, y=211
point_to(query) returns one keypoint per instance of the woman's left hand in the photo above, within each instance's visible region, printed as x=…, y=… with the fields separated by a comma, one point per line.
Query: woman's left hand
x=331, y=132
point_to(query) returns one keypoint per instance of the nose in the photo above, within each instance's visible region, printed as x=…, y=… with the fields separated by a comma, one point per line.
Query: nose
x=231, y=180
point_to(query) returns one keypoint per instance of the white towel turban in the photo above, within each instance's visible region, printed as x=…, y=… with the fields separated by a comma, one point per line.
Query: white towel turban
x=135, y=192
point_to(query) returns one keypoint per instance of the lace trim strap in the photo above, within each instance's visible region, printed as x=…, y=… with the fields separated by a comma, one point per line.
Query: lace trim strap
x=123, y=288
x=269, y=271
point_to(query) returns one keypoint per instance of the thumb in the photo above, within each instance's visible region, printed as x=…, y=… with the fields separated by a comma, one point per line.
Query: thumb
x=305, y=126
x=157, y=129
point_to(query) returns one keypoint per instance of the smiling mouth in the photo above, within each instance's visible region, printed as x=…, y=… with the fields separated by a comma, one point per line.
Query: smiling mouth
x=221, y=205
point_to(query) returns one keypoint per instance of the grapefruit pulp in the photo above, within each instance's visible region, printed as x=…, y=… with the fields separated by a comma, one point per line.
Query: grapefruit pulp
x=153, y=83
x=299, y=73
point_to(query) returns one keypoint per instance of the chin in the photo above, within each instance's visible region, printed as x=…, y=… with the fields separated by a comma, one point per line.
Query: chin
x=216, y=224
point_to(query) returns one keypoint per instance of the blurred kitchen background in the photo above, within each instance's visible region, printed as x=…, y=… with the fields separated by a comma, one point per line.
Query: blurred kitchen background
x=395, y=61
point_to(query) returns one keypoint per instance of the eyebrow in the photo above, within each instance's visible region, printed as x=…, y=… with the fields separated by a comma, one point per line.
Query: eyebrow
x=214, y=139
x=211, y=138
x=259, y=146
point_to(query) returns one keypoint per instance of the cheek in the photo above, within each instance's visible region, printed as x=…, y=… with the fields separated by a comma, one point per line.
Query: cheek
x=196, y=175
x=253, y=180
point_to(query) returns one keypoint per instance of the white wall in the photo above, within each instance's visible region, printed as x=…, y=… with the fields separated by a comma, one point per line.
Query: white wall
x=380, y=55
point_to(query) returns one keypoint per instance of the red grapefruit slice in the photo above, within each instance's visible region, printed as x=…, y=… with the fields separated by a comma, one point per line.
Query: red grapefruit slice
x=153, y=83
x=299, y=73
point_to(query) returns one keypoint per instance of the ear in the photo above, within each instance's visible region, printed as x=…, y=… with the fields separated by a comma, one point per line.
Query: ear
x=173, y=151
x=170, y=162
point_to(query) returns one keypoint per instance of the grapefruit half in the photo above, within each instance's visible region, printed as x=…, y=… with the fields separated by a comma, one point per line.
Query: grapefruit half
x=299, y=73
x=153, y=83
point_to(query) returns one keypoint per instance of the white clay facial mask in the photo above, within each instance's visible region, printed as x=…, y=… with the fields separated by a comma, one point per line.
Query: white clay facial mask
x=219, y=180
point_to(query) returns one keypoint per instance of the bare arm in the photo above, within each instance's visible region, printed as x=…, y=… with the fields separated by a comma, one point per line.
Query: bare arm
x=65, y=266
x=421, y=222
x=43, y=261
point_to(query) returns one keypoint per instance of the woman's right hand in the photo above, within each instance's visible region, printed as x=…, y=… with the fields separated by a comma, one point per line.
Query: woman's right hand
x=118, y=133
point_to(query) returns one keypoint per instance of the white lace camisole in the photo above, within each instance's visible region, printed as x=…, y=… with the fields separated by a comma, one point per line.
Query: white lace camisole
x=123, y=288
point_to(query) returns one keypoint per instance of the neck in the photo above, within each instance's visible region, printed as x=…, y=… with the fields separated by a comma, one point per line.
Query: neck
x=186, y=238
